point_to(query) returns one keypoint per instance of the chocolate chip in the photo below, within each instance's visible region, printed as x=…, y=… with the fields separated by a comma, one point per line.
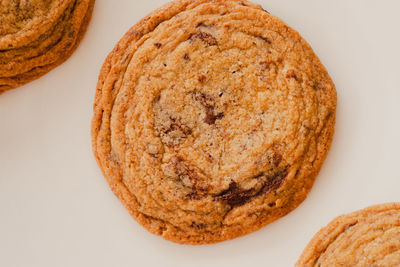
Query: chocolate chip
x=234, y=195
x=186, y=56
x=205, y=37
x=157, y=98
x=265, y=39
x=291, y=74
x=204, y=99
x=211, y=118
x=209, y=105
x=198, y=226
x=68, y=44
x=188, y=176
x=329, y=115
x=274, y=181
x=135, y=34
x=195, y=196
x=276, y=159
x=272, y=204
x=264, y=65
x=201, y=78
x=209, y=157
x=172, y=131
x=185, y=172
x=158, y=45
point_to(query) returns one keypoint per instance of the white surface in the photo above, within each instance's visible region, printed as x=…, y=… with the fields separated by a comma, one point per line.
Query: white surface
x=57, y=210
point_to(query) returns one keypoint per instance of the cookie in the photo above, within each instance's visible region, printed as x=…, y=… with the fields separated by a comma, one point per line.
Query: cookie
x=370, y=237
x=211, y=120
x=36, y=36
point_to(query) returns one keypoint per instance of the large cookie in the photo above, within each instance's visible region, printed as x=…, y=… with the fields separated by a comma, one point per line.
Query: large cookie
x=370, y=237
x=38, y=35
x=211, y=120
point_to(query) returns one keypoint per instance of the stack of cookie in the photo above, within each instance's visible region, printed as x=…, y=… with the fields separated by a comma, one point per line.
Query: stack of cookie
x=37, y=35
x=212, y=119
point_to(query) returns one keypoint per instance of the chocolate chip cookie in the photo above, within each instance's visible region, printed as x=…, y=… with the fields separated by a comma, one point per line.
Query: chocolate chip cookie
x=211, y=120
x=38, y=35
x=370, y=237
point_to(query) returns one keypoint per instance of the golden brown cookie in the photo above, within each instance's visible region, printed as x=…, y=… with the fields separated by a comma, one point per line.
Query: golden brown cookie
x=211, y=120
x=38, y=35
x=369, y=237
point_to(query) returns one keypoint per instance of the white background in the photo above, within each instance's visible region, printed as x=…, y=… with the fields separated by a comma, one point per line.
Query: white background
x=57, y=210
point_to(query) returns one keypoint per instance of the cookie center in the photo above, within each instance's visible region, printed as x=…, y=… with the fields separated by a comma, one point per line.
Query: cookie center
x=221, y=118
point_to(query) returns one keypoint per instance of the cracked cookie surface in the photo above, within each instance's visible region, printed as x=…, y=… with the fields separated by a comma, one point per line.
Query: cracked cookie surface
x=211, y=120
x=38, y=35
x=369, y=237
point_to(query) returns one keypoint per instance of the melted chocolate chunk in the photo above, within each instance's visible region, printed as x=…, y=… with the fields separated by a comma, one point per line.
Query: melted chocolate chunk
x=204, y=99
x=177, y=126
x=211, y=117
x=189, y=176
x=235, y=196
x=209, y=105
x=158, y=45
x=186, y=56
x=273, y=182
x=205, y=37
x=172, y=131
x=185, y=173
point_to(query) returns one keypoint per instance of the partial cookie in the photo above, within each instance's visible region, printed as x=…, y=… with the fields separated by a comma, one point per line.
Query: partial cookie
x=37, y=35
x=211, y=120
x=370, y=237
